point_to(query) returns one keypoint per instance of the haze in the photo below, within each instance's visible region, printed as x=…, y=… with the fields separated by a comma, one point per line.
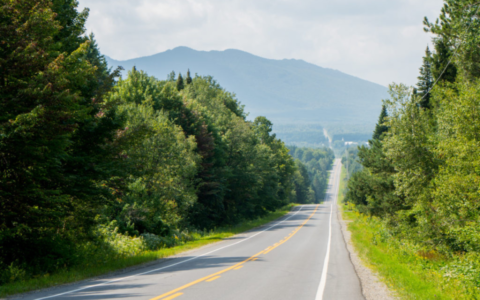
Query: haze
x=377, y=40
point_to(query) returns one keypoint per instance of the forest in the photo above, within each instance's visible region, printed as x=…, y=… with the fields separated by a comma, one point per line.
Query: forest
x=420, y=172
x=311, y=176
x=87, y=156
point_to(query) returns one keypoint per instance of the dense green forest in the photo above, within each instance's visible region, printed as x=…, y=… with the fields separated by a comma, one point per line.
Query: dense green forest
x=311, y=176
x=420, y=171
x=86, y=155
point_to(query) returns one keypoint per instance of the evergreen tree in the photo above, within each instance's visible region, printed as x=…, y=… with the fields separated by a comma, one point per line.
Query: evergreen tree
x=180, y=83
x=381, y=128
x=458, y=26
x=55, y=140
x=72, y=32
x=188, y=79
x=425, y=80
x=440, y=58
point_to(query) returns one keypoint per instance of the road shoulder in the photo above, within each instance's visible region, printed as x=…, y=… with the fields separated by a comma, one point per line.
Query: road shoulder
x=372, y=287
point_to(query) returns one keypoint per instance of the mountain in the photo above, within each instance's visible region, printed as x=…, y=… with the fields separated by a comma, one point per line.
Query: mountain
x=285, y=91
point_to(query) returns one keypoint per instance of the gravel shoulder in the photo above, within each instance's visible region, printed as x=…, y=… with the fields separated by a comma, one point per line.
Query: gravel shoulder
x=372, y=287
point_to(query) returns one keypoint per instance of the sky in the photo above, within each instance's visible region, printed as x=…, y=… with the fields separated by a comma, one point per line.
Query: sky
x=377, y=40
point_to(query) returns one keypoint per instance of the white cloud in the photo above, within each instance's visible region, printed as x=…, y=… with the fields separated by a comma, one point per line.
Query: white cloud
x=377, y=40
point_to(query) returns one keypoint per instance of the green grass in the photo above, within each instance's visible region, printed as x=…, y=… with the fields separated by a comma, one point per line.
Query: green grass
x=408, y=270
x=343, y=185
x=87, y=271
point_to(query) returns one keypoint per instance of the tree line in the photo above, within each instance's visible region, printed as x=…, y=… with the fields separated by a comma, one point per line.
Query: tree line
x=311, y=177
x=421, y=169
x=81, y=147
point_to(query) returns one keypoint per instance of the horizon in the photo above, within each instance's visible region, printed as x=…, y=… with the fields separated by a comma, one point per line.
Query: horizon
x=379, y=41
x=209, y=51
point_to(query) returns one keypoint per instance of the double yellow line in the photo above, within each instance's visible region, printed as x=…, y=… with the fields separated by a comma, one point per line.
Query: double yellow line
x=175, y=293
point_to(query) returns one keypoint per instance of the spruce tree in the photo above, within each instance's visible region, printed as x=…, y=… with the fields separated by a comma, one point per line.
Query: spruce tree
x=425, y=80
x=180, y=84
x=440, y=59
x=381, y=128
x=188, y=79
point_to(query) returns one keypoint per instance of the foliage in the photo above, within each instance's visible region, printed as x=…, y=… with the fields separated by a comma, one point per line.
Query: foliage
x=350, y=162
x=425, y=80
x=311, y=177
x=457, y=28
x=95, y=167
x=53, y=146
x=421, y=177
x=411, y=270
x=99, y=257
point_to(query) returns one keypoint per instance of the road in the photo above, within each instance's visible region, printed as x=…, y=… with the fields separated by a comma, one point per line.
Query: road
x=301, y=256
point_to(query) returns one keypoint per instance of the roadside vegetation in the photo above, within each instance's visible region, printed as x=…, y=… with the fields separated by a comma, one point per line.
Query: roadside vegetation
x=100, y=172
x=408, y=268
x=114, y=251
x=415, y=197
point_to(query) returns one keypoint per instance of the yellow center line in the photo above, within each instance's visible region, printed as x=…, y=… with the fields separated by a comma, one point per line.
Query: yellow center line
x=212, y=279
x=239, y=267
x=254, y=259
x=236, y=266
x=173, y=296
x=205, y=278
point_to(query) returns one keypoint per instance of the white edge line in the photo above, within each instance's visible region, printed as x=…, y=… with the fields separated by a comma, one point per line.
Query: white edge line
x=175, y=264
x=323, y=279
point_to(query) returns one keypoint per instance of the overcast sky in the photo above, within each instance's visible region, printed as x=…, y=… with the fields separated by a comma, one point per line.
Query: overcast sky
x=378, y=40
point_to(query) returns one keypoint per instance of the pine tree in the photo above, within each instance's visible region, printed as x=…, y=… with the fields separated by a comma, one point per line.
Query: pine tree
x=440, y=58
x=381, y=128
x=425, y=80
x=180, y=84
x=188, y=79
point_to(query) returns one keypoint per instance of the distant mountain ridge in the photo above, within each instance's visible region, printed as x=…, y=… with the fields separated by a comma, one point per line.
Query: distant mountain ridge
x=285, y=91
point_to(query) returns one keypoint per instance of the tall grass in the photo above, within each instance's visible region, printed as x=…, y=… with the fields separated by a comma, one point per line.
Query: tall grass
x=114, y=251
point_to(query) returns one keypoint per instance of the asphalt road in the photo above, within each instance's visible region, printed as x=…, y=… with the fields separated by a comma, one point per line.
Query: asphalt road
x=301, y=256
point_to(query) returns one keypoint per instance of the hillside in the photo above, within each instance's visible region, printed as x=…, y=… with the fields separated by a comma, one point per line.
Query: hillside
x=286, y=91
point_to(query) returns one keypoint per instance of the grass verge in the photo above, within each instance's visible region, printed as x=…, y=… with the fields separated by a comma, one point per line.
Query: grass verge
x=410, y=271
x=87, y=271
x=342, y=185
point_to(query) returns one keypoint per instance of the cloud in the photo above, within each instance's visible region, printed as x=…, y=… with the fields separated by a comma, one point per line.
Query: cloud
x=377, y=40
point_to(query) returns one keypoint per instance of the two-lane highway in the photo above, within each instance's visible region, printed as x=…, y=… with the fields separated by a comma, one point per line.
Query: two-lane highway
x=301, y=256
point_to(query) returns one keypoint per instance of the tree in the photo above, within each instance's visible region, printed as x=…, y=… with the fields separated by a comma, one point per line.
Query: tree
x=458, y=27
x=188, y=79
x=442, y=56
x=171, y=76
x=55, y=140
x=302, y=184
x=263, y=127
x=180, y=84
x=162, y=159
x=425, y=80
x=381, y=127
x=72, y=25
x=372, y=189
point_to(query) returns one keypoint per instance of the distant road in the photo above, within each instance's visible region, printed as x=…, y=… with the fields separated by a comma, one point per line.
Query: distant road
x=299, y=257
